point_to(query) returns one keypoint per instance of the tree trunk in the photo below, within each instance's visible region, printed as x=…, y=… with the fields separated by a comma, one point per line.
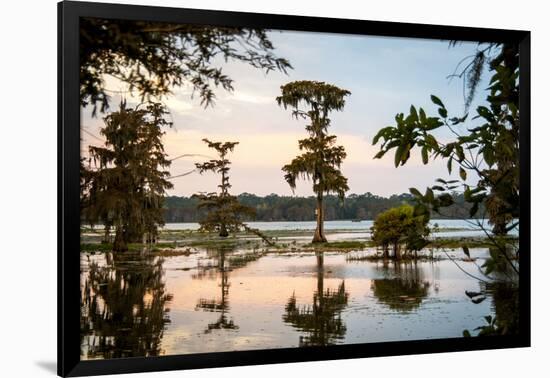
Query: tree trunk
x=499, y=228
x=149, y=237
x=106, y=234
x=119, y=244
x=396, y=251
x=320, y=276
x=319, y=236
x=223, y=231
x=318, y=310
x=134, y=233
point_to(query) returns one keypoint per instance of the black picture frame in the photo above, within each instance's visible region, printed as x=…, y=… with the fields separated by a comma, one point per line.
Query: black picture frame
x=69, y=363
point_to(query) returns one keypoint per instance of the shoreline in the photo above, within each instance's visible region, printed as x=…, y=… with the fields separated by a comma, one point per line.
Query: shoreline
x=184, y=242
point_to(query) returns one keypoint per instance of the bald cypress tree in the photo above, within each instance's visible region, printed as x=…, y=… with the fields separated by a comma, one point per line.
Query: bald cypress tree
x=225, y=213
x=322, y=158
x=125, y=186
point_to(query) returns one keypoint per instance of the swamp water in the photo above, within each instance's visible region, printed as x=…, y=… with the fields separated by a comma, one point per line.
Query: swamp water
x=137, y=304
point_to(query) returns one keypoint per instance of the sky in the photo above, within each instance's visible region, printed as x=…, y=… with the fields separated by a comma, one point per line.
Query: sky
x=385, y=75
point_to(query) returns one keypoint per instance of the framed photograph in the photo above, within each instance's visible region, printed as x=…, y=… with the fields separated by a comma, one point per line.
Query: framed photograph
x=240, y=188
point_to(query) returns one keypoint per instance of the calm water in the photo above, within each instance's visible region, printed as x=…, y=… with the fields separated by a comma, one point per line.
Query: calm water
x=448, y=227
x=214, y=301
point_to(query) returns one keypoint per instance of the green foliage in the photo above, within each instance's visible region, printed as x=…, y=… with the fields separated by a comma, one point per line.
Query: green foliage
x=322, y=158
x=220, y=166
x=224, y=212
x=125, y=186
x=292, y=208
x=154, y=57
x=488, y=150
x=490, y=329
x=400, y=229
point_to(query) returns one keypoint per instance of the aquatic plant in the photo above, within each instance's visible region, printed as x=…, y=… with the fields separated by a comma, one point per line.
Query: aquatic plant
x=400, y=229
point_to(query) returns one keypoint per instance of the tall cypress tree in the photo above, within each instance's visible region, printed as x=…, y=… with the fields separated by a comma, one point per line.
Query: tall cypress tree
x=322, y=158
x=125, y=186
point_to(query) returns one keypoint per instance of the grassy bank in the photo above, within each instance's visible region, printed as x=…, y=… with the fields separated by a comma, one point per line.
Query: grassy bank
x=184, y=241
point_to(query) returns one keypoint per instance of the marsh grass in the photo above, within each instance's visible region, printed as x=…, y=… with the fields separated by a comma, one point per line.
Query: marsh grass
x=460, y=242
x=377, y=256
x=338, y=245
x=184, y=242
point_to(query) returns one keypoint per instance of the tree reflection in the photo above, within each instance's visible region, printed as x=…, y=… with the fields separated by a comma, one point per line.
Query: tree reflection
x=223, y=263
x=505, y=304
x=124, y=307
x=405, y=290
x=504, y=290
x=321, y=321
x=220, y=304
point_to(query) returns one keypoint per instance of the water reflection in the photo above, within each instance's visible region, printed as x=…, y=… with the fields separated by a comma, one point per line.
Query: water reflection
x=226, y=300
x=321, y=321
x=124, y=307
x=219, y=263
x=502, y=264
x=403, y=288
x=220, y=304
x=505, y=304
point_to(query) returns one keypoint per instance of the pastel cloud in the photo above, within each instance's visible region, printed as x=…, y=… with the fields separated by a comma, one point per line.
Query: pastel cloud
x=384, y=75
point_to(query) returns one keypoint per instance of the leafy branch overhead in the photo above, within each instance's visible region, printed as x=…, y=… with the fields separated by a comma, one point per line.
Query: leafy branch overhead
x=488, y=151
x=153, y=58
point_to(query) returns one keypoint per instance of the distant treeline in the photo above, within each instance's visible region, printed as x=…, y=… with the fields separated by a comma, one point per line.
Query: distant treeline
x=287, y=208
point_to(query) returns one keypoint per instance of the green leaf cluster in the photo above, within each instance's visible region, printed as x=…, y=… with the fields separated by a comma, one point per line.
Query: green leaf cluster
x=401, y=229
x=488, y=150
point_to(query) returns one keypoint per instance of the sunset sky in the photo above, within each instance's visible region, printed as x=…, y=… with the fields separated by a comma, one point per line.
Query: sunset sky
x=384, y=75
